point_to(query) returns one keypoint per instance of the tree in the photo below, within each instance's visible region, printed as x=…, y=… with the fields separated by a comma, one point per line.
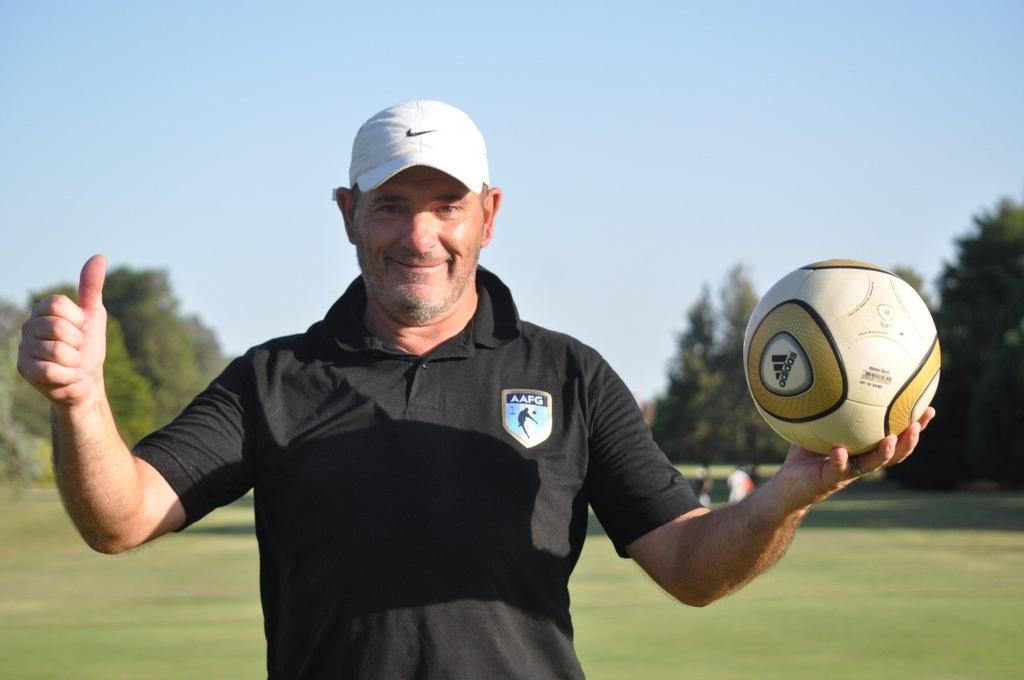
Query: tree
x=18, y=459
x=177, y=356
x=979, y=323
x=130, y=395
x=209, y=357
x=745, y=435
x=707, y=414
x=677, y=425
x=995, y=438
x=11, y=318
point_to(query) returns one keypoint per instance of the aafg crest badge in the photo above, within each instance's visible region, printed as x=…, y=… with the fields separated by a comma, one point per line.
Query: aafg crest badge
x=527, y=415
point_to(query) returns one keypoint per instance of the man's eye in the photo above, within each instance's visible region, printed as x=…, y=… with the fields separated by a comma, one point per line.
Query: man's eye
x=389, y=209
x=448, y=209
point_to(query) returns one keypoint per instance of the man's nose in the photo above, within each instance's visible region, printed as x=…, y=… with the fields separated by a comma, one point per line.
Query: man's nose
x=421, y=231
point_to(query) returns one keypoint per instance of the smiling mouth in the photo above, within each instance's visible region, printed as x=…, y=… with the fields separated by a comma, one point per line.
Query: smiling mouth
x=417, y=264
x=417, y=267
x=420, y=265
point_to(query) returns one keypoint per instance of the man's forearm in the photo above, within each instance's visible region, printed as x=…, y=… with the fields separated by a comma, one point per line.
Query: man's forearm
x=115, y=500
x=96, y=473
x=722, y=550
x=706, y=554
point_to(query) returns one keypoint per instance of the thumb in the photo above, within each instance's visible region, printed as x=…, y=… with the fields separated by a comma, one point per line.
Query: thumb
x=90, y=284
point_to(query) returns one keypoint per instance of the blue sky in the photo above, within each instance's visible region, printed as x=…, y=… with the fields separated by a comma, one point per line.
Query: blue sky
x=643, y=148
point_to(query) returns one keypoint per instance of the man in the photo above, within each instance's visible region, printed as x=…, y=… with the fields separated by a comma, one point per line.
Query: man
x=407, y=527
x=740, y=484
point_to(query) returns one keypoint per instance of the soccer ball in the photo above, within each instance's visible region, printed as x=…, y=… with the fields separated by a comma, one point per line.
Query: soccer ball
x=841, y=353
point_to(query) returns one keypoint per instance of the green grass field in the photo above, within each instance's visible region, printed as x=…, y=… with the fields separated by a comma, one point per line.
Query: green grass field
x=880, y=583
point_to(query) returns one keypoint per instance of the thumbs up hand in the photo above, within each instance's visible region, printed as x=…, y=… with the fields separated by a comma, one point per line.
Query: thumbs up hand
x=63, y=344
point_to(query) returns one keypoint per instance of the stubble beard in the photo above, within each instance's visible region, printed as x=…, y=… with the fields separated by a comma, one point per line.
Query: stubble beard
x=400, y=302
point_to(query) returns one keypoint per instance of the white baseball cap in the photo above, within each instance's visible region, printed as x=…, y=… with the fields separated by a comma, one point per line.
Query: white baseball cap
x=421, y=132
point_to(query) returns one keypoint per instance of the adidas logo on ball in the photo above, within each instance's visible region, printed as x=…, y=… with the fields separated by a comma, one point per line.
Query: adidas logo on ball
x=783, y=364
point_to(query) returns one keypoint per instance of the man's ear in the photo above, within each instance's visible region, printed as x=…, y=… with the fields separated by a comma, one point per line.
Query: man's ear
x=491, y=205
x=346, y=201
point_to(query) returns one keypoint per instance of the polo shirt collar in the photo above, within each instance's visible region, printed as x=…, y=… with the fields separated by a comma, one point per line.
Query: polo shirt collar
x=495, y=322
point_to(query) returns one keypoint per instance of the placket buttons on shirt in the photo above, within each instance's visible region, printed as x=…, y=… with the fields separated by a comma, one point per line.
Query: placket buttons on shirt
x=423, y=391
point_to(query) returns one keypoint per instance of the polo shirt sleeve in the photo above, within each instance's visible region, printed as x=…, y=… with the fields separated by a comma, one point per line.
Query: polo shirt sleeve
x=632, y=486
x=206, y=453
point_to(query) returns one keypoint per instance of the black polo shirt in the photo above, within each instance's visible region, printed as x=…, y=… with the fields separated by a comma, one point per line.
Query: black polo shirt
x=413, y=521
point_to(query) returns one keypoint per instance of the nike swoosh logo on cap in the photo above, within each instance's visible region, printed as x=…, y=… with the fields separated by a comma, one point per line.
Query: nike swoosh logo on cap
x=410, y=133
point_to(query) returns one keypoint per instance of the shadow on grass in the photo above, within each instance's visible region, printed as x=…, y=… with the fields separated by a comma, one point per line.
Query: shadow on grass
x=874, y=504
x=868, y=504
x=884, y=504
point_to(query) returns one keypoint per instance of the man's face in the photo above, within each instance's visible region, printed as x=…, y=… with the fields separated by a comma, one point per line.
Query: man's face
x=418, y=237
